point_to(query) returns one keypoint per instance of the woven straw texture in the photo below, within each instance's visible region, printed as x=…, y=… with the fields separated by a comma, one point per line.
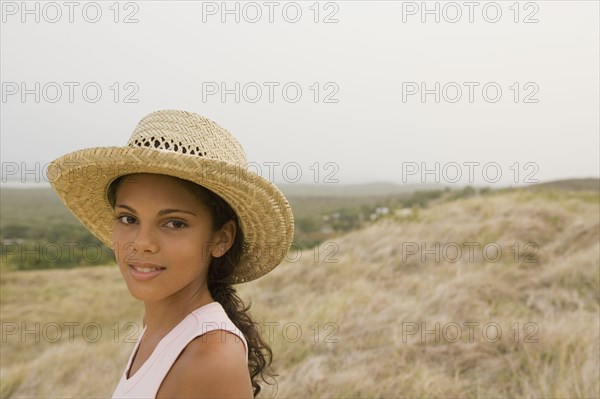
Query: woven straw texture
x=191, y=147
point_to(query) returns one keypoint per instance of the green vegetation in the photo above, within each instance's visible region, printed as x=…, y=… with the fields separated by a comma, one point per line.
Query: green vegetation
x=320, y=219
x=38, y=232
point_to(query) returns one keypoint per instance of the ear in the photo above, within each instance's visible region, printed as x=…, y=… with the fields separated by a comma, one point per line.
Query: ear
x=224, y=238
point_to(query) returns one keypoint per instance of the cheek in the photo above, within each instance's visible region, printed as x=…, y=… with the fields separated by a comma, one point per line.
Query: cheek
x=117, y=232
x=122, y=246
x=191, y=250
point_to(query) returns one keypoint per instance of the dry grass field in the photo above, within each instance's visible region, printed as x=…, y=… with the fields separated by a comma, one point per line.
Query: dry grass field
x=510, y=308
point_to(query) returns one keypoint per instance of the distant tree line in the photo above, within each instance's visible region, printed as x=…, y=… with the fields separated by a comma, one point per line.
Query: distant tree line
x=29, y=247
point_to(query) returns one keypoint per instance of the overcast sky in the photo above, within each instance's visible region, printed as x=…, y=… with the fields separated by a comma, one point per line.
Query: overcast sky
x=368, y=62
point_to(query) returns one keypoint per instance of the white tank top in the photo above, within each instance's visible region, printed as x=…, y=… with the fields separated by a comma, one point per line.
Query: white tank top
x=148, y=378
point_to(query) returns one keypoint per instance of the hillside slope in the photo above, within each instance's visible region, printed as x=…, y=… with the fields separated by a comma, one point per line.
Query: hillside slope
x=372, y=313
x=378, y=301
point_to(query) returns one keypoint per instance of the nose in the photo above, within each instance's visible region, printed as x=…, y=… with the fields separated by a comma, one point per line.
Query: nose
x=145, y=240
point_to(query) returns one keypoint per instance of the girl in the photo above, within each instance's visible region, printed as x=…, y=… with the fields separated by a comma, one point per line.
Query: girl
x=186, y=221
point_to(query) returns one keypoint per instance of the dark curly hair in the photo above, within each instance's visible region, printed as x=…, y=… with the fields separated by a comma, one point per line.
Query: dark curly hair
x=260, y=354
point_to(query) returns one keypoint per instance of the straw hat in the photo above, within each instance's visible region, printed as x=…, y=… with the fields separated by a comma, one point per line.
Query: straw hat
x=191, y=147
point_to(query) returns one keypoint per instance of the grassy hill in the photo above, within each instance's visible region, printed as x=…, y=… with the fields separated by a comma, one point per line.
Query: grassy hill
x=353, y=190
x=371, y=313
x=587, y=184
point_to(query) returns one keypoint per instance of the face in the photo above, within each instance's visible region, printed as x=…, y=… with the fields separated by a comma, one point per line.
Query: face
x=164, y=238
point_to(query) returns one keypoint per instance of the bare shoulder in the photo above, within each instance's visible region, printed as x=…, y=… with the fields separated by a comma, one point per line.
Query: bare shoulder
x=212, y=365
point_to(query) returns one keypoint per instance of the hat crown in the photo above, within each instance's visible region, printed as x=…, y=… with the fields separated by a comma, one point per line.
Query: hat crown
x=187, y=133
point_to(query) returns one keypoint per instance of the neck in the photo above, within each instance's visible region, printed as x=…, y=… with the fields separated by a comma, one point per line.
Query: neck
x=163, y=315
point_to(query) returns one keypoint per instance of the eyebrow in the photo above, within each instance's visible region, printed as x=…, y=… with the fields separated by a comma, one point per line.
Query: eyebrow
x=161, y=212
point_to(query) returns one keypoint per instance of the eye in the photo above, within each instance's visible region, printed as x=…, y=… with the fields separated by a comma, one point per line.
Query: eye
x=176, y=224
x=126, y=219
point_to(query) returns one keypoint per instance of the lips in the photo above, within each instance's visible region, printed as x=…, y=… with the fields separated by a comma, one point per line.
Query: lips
x=145, y=271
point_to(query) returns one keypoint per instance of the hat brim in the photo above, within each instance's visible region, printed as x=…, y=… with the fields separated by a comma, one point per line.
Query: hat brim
x=81, y=180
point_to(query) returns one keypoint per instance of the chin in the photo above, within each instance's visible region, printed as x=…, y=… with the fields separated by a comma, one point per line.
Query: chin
x=144, y=295
x=144, y=291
